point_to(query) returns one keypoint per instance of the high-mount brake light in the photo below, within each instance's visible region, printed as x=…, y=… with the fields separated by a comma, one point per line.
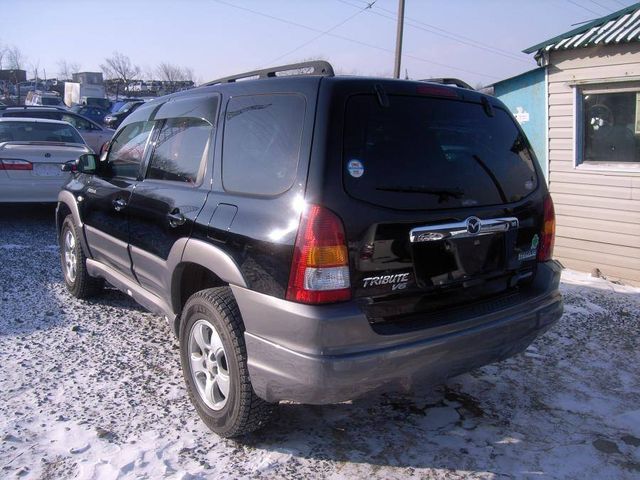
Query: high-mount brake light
x=548, y=233
x=320, y=266
x=436, y=91
x=15, y=164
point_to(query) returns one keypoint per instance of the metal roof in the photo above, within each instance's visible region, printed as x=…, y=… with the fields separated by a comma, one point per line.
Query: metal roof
x=622, y=26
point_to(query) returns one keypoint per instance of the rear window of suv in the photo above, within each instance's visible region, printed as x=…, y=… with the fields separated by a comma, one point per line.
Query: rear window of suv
x=434, y=153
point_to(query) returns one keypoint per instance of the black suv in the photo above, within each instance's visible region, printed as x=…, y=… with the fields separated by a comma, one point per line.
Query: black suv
x=314, y=238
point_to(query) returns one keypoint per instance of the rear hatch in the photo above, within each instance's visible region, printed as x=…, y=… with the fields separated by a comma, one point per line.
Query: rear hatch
x=445, y=201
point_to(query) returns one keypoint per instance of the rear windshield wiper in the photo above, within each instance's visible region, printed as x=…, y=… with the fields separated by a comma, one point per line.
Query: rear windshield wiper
x=442, y=193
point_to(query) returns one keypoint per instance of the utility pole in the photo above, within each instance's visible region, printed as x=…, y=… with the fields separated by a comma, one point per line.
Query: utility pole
x=396, y=70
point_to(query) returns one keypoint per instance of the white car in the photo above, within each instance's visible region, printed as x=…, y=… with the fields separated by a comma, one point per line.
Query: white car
x=94, y=135
x=32, y=152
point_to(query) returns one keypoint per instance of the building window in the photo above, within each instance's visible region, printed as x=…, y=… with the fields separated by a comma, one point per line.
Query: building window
x=609, y=127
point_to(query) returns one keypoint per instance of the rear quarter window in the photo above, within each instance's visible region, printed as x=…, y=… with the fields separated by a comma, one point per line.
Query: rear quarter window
x=261, y=143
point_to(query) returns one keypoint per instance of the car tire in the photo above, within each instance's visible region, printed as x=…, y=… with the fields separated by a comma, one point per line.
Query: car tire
x=74, y=262
x=214, y=365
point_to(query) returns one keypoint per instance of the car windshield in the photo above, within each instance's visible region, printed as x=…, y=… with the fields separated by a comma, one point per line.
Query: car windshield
x=420, y=152
x=19, y=131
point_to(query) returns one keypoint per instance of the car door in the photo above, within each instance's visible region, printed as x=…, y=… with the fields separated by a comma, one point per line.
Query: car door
x=93, y=134
x=164, y=206
x=107, y=194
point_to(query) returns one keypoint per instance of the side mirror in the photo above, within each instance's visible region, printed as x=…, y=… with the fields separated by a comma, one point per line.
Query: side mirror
x=87, y=163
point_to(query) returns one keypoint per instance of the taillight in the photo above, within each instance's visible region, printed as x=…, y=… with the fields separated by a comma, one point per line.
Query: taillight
x=320, y=266
x=14, y=164
x=548, y=233
x=436, y=91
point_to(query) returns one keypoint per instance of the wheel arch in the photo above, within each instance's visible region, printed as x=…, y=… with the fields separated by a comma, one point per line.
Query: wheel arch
x=67, y=204
x=202, y=266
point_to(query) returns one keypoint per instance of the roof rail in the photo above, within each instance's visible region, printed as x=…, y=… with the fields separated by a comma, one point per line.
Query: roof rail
x=317, y=67
x=450, y=81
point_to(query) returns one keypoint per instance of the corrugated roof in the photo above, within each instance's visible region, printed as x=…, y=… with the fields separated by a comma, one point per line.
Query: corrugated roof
x=620, y=27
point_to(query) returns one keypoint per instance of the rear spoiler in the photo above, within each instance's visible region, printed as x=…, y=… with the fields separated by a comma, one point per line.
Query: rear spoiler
x=42, y=143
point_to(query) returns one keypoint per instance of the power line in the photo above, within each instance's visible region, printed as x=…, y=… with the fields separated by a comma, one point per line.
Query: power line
x=352, y=40
x=608, y=9
x=443, y=33
x=322, y=34
x=584, y=8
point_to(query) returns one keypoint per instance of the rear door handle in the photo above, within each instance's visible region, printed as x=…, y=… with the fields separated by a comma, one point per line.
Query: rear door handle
x=176, y=218
x=119, y=204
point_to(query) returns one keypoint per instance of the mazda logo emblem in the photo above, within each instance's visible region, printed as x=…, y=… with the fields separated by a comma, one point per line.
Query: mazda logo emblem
x=473, y=225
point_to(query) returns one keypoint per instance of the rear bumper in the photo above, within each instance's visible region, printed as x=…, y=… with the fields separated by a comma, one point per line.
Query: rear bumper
x=31, y=190
x=328, y=354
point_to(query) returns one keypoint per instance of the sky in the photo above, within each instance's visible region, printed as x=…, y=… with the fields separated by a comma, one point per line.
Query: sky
x=479, y=41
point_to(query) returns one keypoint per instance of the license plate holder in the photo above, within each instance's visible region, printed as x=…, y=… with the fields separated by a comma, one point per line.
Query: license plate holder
x=47, y=170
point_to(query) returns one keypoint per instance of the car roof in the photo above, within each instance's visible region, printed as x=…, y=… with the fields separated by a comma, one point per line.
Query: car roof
x=30, y=119
x=26, y=108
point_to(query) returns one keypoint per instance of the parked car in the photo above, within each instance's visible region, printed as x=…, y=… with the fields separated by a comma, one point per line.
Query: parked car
x=47, y=99
x=103, y=103
x=314, y=238
x=93, y=113
x=118, y=104
x=32, y=152
x=93, y=134
x=113, y=120
x=25, y=87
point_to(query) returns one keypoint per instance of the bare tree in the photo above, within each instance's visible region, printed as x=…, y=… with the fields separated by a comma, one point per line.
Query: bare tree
x=3, y=53
x=67, y=69
x=119, y=67
x=35, y=67
x=15, y=58
x=172, y=75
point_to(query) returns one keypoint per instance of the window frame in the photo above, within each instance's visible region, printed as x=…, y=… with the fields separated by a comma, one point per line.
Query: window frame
x=100, y=172
x=592, y=88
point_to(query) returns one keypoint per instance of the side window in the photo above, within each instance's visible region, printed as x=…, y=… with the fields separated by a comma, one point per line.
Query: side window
x=127, y=149
x=78, y=122
x=261, y=145
x=180, y=149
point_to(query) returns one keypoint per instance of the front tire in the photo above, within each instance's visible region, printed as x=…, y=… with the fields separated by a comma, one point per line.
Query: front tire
x=74, y=262
x=214, y=365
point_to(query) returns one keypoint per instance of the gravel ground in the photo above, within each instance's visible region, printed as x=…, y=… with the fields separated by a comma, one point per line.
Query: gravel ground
x=93, y=389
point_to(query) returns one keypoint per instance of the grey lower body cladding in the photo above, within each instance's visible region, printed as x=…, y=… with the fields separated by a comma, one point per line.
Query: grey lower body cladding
x=329, y=354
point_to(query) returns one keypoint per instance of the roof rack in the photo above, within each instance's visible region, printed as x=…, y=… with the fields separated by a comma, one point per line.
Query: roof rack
x=450, y=81
x=317, y=67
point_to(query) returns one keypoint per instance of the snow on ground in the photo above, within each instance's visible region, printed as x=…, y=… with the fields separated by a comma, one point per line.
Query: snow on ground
x=94, y=390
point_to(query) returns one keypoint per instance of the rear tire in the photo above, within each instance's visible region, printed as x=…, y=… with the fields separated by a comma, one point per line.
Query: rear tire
x=74, y=262
x=214, y=365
